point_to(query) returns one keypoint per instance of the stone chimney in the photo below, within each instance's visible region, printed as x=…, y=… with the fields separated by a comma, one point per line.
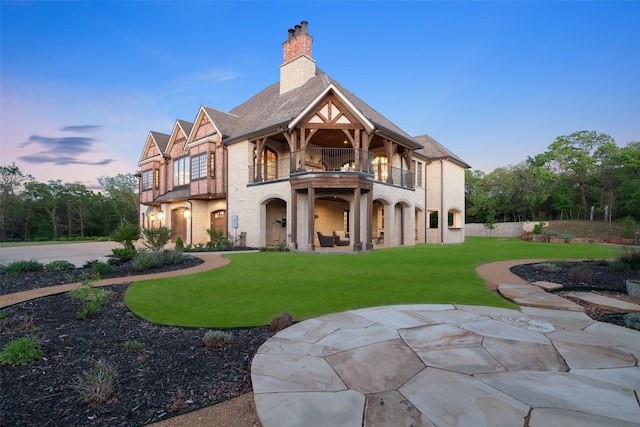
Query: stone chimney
x=298, y=66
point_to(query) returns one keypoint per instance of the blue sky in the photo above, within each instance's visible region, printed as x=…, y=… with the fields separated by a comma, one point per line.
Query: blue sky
x=82, y=83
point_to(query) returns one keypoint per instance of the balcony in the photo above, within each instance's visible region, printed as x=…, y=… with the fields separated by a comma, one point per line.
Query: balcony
x=330, y=160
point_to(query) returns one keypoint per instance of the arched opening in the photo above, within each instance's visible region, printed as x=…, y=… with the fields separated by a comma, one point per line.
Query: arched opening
x=275, y=222
x=332, y=214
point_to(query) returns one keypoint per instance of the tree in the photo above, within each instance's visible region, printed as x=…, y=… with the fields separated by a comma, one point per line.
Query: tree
x=45, y=199
x=12, y=182
x=121, y=190
x=490, y=222
x=628, y=179
x=578, y=156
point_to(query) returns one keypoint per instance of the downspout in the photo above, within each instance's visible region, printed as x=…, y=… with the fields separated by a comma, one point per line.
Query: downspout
x=190, y=222
x=426, y=201
x=443, y=217
x=226, y=183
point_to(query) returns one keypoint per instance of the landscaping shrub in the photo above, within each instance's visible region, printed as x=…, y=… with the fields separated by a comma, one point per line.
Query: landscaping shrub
x=21, y=351
x=59, y=265
x=216, y=339
x=102, y=268
x=92, y=298
x=547, y=267
x=96, y=384
x=617, y=266
x=124, y=255
x=179, y=244
x=126, y=234
x=537, y=229
x=580, y=274
x=23, y=267
x=632, y=320
x=214, y=236
x=146, y=260
x=172, y=257
x=632, y=259
x=156, y=238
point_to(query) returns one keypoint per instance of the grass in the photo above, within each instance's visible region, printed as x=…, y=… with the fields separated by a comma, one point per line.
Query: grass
x=256, y=287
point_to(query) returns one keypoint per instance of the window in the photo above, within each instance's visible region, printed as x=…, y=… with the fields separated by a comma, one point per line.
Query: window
x=433, y=219
x=181, y=171
x=156, y=178
x=212, y=164
x=380, y=170
x=147, y=179
x=199, y=166
x=453, y=219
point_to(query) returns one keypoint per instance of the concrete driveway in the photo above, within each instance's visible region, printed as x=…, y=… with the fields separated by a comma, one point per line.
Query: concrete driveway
x=76, y=253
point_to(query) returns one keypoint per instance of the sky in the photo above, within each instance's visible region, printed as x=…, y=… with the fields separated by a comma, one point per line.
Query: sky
x=82, y=83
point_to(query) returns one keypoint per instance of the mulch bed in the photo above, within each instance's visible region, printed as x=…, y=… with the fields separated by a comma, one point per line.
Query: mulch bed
x=173, y=372
x=587, y=276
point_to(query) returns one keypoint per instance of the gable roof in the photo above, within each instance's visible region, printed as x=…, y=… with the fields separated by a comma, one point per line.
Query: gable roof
x=160, y=140
x=434, y=150
x=269, y=110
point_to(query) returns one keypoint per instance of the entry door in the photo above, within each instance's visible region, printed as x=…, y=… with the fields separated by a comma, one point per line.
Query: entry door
x=178, y=225
x=219, y=221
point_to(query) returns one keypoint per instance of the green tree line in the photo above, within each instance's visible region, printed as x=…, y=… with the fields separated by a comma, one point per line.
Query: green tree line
x=31, y=210
x=584, y=175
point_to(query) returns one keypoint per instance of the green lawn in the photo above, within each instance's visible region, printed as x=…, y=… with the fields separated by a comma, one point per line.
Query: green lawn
x=256, y=287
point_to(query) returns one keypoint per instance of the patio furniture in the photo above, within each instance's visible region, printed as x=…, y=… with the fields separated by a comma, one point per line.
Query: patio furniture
x=325, y=241
x=340, y=239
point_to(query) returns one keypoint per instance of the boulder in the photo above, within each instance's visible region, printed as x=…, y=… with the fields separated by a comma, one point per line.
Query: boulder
x=279, y=323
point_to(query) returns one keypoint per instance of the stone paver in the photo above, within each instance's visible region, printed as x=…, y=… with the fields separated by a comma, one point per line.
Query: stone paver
x=534, y=296
x=606, y=303
x=547, y=286
x=447, y=365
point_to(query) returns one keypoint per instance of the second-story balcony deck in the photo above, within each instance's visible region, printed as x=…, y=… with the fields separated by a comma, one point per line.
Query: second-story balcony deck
x=331, y=160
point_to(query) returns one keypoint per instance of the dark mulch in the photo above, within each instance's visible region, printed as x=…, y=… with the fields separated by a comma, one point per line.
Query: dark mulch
x=587, y=276
x=172, y=373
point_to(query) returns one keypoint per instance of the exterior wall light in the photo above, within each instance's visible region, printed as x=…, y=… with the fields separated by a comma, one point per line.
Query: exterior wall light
x=187, y=213
x=160, y=216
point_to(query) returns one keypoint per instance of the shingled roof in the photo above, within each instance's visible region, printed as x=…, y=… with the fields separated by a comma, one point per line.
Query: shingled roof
x=269, y=110
x=434, y=150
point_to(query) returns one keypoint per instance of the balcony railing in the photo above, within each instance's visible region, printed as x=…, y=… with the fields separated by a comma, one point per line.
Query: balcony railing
x=332, y=160
x=319, y=160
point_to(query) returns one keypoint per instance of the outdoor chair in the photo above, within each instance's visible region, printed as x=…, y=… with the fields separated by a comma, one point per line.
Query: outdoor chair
x=339, y=238
x=325, y=241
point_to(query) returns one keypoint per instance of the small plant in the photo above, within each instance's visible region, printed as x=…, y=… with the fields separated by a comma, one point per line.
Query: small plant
x=179, y=401
x=217, y=339
x=3, y=315
x=172, y=257
x=123, y=254
x=102, y=268
x=547, y=267
x=23, y=267
x=214, y=236
x=24, y=324
x=92, y=298
x=179, y=244
x=59, y=265
x=537, y=229
x=581, y=274
x=21, y=351
x=617, y=266
x=146, y=260
x=133, y=345
x=156, y=238
x=632, y=320
x=96, y=384
x=632, y=259
x=126, y=234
